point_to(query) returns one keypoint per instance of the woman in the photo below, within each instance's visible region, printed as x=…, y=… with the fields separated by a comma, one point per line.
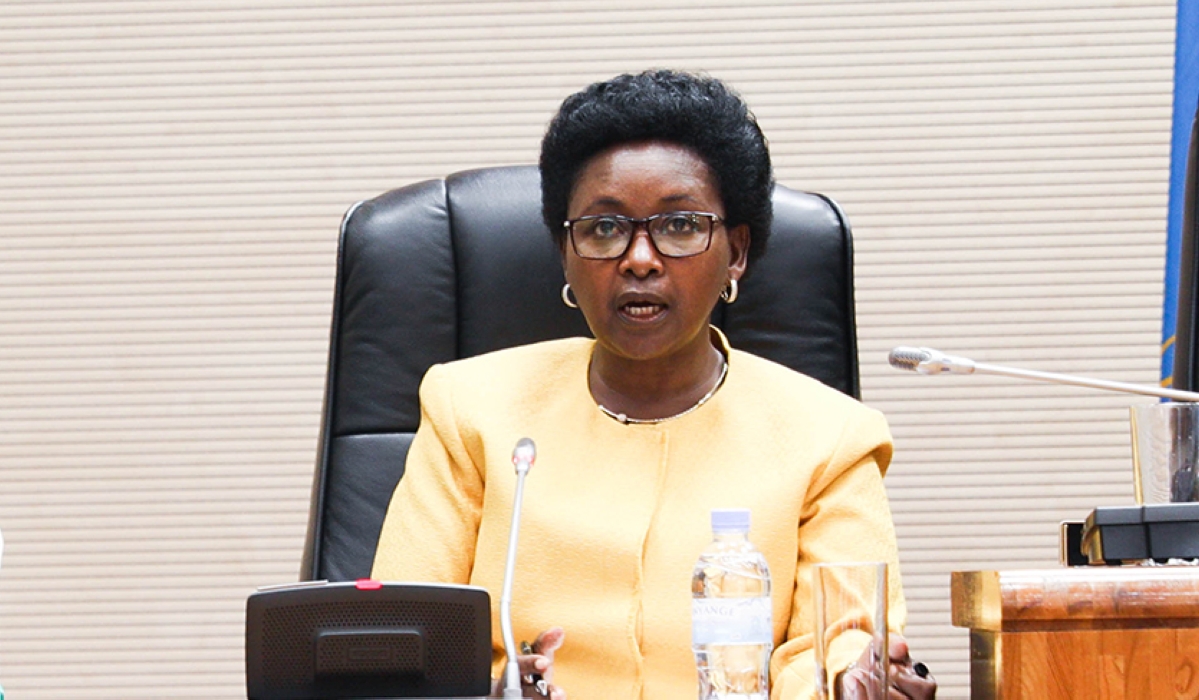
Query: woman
x=657, y=188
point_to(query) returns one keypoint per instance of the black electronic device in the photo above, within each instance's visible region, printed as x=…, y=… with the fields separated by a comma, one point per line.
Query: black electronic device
x=365, y=639
x=1136, y=533
x=1114, y=535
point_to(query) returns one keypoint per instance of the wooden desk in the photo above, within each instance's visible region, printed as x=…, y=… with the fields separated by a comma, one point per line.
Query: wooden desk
x=1093, y=632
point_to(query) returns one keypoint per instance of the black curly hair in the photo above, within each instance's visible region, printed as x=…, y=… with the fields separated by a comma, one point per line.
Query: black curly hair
x=695, y=111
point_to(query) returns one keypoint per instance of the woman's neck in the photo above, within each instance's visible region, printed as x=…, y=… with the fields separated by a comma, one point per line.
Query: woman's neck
x=649, y=390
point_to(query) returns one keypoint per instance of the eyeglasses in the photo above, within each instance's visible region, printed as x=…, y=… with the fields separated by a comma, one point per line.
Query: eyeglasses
x=676, y=234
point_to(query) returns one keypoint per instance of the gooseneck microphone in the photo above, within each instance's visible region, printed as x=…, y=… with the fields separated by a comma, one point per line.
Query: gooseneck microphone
x=930, y=361
x=522, y=457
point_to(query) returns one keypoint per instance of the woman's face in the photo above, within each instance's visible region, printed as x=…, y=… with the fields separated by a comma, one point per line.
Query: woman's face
x=644, y=305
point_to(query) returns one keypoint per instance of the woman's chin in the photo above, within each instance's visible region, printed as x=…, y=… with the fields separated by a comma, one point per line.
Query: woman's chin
x=648, y=341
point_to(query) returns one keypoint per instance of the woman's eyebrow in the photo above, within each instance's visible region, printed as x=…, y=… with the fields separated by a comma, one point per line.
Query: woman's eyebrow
x=608, y=201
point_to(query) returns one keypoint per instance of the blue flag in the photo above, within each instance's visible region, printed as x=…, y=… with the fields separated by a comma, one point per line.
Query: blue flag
x=1186, y=98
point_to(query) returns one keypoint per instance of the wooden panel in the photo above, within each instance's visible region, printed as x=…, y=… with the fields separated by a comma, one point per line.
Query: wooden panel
x=1130, y=664
x=1093, y=633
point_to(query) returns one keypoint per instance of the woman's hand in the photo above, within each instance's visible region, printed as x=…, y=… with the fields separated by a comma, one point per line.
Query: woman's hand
x=904, y=678
x=908, y=679
x=537, y=668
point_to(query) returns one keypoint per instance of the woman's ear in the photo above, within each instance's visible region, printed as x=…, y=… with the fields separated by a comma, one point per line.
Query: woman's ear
x=738, y=250
x=561, y=244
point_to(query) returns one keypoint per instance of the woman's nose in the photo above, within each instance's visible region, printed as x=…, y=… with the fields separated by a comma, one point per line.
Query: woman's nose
x=642, y=257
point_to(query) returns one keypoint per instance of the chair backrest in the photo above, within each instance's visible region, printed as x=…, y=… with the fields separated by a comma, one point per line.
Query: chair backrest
x=453, y=268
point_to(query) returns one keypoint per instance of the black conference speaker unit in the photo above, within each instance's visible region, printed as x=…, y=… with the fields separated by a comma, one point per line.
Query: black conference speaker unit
x=365, y=639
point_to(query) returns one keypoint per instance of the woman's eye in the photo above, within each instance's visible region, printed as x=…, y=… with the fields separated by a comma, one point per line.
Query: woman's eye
x=678, y=224
x=605, y=228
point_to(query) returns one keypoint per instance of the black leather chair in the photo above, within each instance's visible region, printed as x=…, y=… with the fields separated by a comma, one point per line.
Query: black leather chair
x=452, y=268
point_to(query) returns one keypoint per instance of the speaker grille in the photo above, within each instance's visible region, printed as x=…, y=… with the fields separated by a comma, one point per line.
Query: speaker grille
x=289, y=645
x=369, y=652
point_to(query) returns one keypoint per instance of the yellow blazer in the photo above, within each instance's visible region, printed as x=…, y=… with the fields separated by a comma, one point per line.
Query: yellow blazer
x=615, y=515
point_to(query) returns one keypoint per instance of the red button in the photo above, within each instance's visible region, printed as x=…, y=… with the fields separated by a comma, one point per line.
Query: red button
x=367, y=584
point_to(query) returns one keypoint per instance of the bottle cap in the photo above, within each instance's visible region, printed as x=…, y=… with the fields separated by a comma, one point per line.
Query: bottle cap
x=730, y=520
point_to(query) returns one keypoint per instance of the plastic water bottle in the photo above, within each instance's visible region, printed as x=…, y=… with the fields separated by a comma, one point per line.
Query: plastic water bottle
x=731, y=633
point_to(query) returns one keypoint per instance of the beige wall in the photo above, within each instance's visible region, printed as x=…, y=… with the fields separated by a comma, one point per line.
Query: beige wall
x=171, y=178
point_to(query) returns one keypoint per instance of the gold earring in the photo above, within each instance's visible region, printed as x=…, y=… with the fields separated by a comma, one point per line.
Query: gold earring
x=566, y=297
x=730, y=292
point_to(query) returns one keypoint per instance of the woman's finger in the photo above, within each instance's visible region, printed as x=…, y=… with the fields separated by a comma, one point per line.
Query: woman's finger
x=906, y=682
x=897, y=649
x=911, y=685
x=549, y=641
x=852, y=686
x=530, y=664
x=537, y=667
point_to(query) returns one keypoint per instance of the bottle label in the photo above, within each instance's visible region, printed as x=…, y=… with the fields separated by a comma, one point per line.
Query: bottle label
x=731, y=621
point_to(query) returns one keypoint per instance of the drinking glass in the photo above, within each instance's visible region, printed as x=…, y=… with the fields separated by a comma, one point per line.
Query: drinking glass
x=1165, y=450
x=851, y=630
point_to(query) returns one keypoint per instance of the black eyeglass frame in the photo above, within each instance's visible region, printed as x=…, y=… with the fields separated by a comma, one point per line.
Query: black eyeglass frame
x=569, y=225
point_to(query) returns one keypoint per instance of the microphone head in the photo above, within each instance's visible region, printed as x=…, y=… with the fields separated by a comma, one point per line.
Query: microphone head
x=909, y=358
x=929, y=361
x=524, y=455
